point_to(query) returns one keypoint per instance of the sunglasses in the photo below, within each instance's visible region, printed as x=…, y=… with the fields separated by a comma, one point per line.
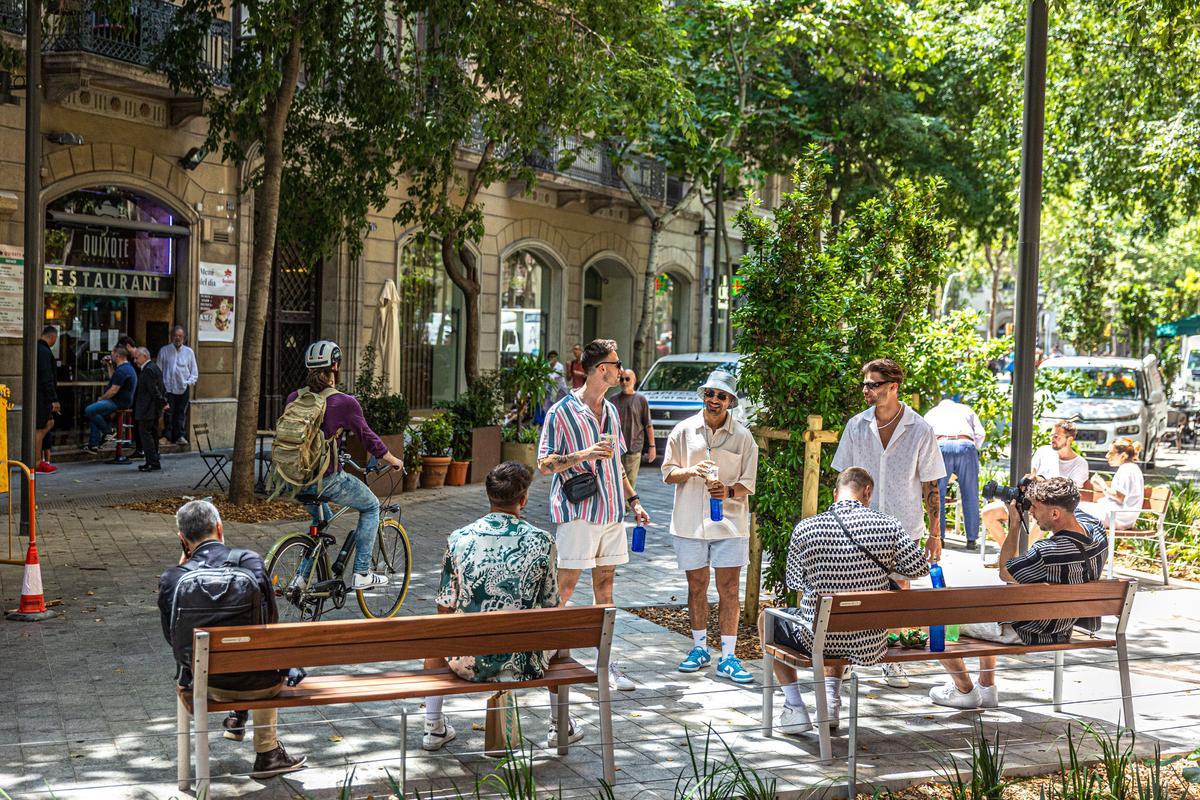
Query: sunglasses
x=624, y=379
x=874, y=384
x=711, y=393
x=618, y=364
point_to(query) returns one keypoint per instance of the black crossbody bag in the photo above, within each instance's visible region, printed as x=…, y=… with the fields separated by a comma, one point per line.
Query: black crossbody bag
x=581, y=486
x=887, y=572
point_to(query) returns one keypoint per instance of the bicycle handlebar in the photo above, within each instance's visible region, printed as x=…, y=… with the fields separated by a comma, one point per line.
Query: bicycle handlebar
x=379, y=466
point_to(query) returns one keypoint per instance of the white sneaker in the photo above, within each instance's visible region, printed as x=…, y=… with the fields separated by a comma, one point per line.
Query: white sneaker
x=794, y=721
x=619, y=679
x=895, y=676
x=835, y=717
x=574, y=734
x=988, y=696
x=949, y=695
x=368, y=581
x=437, y=734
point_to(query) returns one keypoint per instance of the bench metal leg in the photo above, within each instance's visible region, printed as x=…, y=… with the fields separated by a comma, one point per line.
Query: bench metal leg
x=1162, y=554
x=202, y=767
x=183, y=756
x=768, y=693
x=824, y=728
x=1058, y=681
x=852, y=758
x=1126, y=684
x=403, y=751
x=564, y=720
x=606, y=729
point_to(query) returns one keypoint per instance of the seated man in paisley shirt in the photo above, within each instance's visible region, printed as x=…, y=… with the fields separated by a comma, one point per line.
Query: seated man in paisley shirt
x=497, y=563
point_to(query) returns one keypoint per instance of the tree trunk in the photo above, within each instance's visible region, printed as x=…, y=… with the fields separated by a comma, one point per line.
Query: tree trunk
x=459, y=263
x=994, y=301
x=649, y=286
x=266, y=222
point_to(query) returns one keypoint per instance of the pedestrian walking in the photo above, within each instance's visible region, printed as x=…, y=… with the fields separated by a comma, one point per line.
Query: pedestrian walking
x=149, y=402
x=634, y=411
x=180, y=373
x=898, y=449
x=581, y=449
x=576, y=371
x=48, y=406
x=712, y=456
x=960, y=437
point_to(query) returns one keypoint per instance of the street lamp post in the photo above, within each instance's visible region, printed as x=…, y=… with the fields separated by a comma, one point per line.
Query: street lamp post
x=34, y=276
x=946, y=291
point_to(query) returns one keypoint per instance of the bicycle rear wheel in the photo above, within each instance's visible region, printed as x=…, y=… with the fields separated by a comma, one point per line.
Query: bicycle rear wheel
x=392, y=557
x=293, y=571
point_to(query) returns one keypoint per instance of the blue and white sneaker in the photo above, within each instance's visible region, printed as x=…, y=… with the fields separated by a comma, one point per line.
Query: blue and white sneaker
x=731, y=667
x=696, y=660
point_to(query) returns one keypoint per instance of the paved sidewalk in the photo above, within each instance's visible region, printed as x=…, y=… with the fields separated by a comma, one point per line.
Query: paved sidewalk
x=89, y=709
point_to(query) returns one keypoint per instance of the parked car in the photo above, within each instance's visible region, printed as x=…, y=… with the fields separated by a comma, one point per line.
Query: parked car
x=670, y=389
x=1110, y=398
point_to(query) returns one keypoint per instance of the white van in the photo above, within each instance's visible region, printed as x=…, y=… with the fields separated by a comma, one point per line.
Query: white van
x=670, y=388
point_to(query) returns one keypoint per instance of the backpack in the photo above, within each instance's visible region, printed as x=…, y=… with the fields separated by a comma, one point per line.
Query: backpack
x=213, y=596
x=301, y=454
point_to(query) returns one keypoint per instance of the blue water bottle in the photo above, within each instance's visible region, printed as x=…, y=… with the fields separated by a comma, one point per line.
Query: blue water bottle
x=937, y=633
x=716, y=507
x=639, y=539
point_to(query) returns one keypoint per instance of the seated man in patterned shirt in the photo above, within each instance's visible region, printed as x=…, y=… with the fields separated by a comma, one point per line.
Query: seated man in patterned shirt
x=497, y=563
x=1074, y=553
x=848, y=548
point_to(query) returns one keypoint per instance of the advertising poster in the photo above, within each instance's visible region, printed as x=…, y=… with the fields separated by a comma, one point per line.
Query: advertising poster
x=218, y=293
x=12, y=288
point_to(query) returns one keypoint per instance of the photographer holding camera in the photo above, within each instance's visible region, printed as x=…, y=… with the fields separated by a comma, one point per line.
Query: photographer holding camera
x=1074, y=552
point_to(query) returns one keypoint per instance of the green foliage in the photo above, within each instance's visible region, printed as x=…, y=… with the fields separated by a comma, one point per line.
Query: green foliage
x=526, y=383
x=716, y=775
x=818, y=304
x=437, y=434
x=385, y=411
x=1086, y=263
x=986, y=778
x=477, y=407
x=412, y=451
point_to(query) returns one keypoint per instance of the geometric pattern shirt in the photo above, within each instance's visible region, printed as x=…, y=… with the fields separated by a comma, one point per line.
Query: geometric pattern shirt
x=499, y=563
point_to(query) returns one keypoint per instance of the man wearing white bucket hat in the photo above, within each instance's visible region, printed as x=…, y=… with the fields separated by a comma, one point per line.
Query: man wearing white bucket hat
x=712, y=456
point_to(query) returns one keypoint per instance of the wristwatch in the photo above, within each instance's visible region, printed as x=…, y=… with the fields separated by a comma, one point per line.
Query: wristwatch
x=633, y=498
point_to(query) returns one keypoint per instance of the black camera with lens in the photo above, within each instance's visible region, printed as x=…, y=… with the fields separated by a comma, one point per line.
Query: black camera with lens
x=1009, y=494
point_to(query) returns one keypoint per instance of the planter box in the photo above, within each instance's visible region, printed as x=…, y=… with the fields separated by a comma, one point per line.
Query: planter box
x=521, y=453
x=381, y=484
x=485, y=452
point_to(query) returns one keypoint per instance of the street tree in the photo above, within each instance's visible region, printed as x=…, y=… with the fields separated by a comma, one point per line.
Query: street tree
x=314, y=112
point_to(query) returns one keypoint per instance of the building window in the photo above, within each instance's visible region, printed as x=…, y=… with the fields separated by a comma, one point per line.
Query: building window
x=524, y=305
x=431, y=312
x=669, y=299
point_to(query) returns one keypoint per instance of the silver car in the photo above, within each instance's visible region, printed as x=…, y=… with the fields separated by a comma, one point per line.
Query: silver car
x=670, y=389
x=1111, y=398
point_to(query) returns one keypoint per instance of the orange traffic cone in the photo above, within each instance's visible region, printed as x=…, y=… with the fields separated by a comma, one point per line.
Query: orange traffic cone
x=33, y=602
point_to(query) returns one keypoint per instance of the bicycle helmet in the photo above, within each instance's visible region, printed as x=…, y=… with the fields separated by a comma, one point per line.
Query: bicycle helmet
x=322, y=354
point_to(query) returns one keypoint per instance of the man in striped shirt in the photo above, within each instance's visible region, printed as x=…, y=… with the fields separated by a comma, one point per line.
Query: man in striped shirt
x=582, y=435
x=1074, y=553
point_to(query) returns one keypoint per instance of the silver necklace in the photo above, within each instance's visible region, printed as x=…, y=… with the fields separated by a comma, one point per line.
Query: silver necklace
x=893, y=422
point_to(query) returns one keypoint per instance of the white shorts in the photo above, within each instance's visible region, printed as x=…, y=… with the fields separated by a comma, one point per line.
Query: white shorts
x=583, y=545
x=699, y=553
x=1000, y=632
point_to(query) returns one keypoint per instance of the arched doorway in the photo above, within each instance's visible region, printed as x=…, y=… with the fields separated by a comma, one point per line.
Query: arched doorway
x=112, y=256
x=431, y=315
x=672, y=318
x=608, y=303
x=527, y=309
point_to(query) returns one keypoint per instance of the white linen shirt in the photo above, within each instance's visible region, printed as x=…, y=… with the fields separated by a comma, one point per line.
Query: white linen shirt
x=952, y=419
x=735, y=452
x=178, y=368
x=1047, y=464
x=911, y=458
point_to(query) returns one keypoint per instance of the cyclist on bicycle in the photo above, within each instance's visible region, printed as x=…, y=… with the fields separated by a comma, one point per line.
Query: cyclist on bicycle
x=343, y=414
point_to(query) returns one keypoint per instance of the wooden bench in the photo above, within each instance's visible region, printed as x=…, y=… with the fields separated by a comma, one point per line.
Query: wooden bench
x=1155, y=500
x=353, y=642
x=912, y=608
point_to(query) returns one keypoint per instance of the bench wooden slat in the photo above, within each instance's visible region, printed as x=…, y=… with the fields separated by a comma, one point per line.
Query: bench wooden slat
x=965, y=647
x=372, y=652
x=905, y=618
x=321, y=690
x=431, y=626
x=1009, y=594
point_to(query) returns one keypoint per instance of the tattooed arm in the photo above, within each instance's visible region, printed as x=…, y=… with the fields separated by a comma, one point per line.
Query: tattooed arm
x=557, y=462
x=933, y=508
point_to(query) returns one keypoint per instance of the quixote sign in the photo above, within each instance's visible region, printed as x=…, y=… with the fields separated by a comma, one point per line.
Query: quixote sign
x=110, y=282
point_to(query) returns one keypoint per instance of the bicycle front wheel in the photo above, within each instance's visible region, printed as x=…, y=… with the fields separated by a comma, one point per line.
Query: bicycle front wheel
x=391, y=557
x=294, y=567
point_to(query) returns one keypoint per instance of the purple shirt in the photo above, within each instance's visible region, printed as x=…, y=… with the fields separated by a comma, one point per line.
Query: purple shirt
x=343, y=415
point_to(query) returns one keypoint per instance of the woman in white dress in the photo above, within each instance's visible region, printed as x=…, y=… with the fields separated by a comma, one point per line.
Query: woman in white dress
x=1119, y=502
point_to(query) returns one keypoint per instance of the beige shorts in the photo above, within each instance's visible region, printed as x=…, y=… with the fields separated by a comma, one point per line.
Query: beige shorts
x=583, y=545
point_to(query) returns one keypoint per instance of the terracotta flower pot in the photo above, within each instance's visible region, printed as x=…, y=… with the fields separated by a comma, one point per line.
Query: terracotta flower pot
x=457, y=474
x=412, y=480
x=433, y=471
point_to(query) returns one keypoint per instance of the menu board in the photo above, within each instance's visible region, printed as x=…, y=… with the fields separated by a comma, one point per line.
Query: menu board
x=218, y=295
x=12, y=289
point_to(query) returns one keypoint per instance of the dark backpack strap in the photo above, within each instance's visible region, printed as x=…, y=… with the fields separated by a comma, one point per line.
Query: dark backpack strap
x=837, y=518
x=1088, y=575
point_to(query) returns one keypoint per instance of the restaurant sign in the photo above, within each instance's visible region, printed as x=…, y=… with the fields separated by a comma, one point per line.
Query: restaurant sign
x=108, y=282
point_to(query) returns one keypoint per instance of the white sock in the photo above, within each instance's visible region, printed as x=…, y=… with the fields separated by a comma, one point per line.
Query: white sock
x=728, y=645
x=833, y=691
x=433, y=709
x=553, y=708
x=700, y=639
x=791, y=694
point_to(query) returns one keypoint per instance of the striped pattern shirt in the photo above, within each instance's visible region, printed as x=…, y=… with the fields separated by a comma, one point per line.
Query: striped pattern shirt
x=1065, y=557
x=571, y=426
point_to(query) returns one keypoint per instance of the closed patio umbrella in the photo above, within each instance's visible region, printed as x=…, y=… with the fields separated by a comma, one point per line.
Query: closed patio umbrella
x=387, y=336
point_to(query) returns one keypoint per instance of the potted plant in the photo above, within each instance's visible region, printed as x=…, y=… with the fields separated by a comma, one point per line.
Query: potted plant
x=477, y=414
x=437, y=433
x=385, y=411
x=526, y=384
x=412, y=462
x=520, y=445
x=460, y=450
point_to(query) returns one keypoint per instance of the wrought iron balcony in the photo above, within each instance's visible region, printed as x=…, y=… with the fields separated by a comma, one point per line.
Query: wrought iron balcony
x=78, y=26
